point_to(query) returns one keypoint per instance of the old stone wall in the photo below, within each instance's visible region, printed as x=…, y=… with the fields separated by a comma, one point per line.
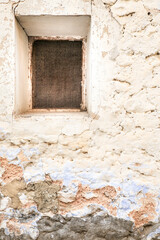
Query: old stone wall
x=88, y=175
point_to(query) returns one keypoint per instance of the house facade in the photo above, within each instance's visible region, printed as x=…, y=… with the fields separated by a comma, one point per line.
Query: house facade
x=90, y=172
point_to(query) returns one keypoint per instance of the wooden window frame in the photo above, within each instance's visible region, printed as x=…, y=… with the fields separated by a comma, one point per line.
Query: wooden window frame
x=83, y=82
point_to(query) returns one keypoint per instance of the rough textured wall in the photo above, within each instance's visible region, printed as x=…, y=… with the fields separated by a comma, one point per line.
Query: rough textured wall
x=78, y=176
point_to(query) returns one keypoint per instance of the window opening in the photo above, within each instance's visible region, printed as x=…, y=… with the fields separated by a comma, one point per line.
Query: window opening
x=57, y=74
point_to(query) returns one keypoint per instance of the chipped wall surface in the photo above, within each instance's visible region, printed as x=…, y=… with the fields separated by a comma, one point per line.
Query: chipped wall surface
x=92, y=175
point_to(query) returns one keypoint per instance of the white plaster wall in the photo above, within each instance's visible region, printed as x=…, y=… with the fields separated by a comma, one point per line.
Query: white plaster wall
x=7, y=67
x=52, y=26
x=57, y=7
x=22, y=84
x=118, y=143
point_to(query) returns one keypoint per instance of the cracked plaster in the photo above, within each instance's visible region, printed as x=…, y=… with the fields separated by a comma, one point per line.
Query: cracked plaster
x=111, y=157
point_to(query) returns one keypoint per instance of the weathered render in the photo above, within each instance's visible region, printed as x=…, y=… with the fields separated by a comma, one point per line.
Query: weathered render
x=90, y=175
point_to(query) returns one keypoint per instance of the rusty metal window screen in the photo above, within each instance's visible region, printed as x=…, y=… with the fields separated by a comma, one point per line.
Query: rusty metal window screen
x=56, y=74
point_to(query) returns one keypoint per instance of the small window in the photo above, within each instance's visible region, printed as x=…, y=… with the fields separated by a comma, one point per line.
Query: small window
x=57, y=74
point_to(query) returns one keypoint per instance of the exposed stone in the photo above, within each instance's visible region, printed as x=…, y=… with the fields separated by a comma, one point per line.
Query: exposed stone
x=90, y=227
x=112, y=151
x=3, y=236
x=12, y=189
x=45, y=195
x=98, y=226
x=24, y=215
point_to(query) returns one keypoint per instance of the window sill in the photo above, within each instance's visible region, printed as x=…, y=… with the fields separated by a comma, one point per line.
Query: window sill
x=36, y=123
x=53, y=113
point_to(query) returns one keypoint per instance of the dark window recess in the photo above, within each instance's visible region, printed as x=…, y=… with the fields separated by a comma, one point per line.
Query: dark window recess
x=57, y=74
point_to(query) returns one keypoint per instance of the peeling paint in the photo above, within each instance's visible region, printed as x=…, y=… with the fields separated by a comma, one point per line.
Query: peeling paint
x=57, y=168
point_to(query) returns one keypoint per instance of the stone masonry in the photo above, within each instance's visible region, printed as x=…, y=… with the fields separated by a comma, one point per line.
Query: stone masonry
x=91, y=175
